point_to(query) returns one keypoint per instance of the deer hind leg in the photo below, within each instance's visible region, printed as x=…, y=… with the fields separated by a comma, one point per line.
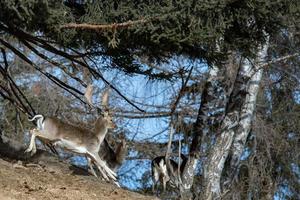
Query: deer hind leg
x=155, y=179
x=32, y=146
x=164, y=184
x=37, y=133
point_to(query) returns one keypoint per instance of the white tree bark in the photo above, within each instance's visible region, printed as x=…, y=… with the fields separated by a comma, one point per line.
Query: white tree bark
x=200, y=129
x=239, y=114
x=247, y=112
x=217, y=158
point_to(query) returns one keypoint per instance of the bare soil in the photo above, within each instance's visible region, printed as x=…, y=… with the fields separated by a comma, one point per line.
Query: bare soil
x=55, y=180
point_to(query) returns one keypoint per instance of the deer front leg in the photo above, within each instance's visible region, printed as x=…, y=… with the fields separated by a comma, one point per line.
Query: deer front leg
x=101, y=164
x=90, y=164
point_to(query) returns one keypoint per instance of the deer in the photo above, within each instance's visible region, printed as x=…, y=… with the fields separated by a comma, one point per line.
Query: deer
x=76, y=139
x=163, y=173
x=114, y=158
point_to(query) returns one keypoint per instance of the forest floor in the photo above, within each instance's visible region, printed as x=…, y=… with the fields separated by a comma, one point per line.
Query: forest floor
x=56, y=180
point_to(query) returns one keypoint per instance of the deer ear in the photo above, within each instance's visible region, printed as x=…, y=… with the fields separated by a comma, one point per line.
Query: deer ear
x=104, y=98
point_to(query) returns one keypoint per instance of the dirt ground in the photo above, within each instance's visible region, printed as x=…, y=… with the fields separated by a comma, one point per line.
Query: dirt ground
x=20, y=181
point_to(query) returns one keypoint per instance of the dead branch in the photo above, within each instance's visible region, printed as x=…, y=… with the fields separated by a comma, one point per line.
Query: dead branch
x=102, y=27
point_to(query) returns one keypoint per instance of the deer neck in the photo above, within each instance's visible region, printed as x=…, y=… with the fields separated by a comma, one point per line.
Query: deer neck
x=101, y=129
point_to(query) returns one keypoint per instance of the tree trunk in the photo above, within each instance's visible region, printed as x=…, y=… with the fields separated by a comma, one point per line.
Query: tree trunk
x=246, y=114
x=241, y=104
x=209, y=100
x=213, y=97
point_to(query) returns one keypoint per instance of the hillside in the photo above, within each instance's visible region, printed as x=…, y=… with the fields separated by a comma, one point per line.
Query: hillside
x=45, y=176
x=55, y=181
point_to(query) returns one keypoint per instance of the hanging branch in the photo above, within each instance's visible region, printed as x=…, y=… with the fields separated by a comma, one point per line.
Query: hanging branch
x=21, y=35
x=51, y=77
x=14, y=88
x=6, y=74
x=12, y=100
x=43, y=56
x=43, y=44
x=5, y=59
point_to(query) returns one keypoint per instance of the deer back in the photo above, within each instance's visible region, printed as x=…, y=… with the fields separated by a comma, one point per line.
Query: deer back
x=54, y=129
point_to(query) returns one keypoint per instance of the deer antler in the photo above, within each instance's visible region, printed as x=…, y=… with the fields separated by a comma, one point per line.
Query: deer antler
x=89, y=94
x=104, y=99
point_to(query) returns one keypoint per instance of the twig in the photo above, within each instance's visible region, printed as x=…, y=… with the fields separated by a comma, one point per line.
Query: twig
x=279, y=59
x=181, y=92
x=173, y=108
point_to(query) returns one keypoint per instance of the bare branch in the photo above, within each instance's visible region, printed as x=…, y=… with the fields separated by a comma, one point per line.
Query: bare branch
x=181, y=92
x=279, y=59
x=102, y=27
x=21, y=35
x=50, y=76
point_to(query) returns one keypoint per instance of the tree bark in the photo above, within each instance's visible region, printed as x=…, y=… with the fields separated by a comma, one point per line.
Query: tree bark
x=209, y=101
x=239, y=112
x=246, y=114
x=208, y=97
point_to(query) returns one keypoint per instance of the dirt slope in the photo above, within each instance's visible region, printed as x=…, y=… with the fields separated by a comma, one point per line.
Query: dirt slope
x=55, y=181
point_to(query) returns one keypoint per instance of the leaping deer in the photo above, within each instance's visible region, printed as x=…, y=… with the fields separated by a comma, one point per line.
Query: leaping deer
x=76, y=139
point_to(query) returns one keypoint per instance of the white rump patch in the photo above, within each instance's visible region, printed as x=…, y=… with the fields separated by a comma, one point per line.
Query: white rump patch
x=163, y=167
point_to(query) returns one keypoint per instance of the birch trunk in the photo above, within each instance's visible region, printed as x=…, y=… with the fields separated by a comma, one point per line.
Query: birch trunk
x=239, y=111
x=213, y=98
x=247, y=113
